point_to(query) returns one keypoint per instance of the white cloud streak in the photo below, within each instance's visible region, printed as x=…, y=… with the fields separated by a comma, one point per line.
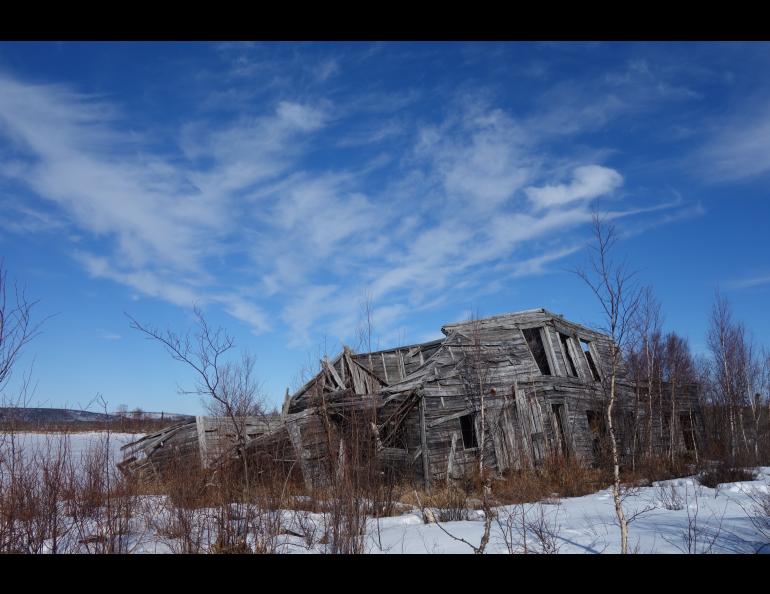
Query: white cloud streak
x=738, y=149
x=748, y=283
x=233, y=214
x=588, y=182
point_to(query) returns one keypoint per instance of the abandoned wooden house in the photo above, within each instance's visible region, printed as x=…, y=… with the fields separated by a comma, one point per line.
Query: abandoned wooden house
x=505, y=391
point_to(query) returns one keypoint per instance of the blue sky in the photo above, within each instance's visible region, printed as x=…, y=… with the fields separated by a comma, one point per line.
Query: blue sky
x=277, y=184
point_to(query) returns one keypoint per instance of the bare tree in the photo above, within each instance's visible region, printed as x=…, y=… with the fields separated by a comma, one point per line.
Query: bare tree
x=735, y=374
x=761, y=405
x=619, y=297
x=16, y=328
x=678, y=369
x=651, y=323
x=475, y=372
x=643, y=357
x=365, y=328
x=228, y=388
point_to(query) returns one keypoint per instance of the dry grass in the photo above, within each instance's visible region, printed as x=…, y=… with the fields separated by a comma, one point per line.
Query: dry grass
x=556, y=477
x=656, y=468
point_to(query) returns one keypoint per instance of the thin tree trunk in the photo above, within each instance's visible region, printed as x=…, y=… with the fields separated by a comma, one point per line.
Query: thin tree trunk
x=694, y=440
x=481, y=445
x=649, y=398
x=616, y=466
x=732, y=435
x=672, y=424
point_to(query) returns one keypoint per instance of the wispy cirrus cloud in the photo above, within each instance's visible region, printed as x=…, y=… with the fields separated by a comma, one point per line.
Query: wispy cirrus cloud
x=254, y=212
x=161, y=220
x=110, y=336
x=749, y=282
x=738, y=148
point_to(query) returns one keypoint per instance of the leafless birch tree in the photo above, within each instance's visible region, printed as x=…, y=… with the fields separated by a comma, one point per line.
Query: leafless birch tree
x=678, y=369
x=734, y=373
x=618, y=295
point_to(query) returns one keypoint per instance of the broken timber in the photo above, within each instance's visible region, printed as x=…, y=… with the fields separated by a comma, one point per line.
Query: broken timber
x=413, y=412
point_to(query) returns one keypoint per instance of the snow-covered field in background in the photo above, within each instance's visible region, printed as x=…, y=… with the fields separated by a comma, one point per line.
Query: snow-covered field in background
x=78, y=444
x=676, y=516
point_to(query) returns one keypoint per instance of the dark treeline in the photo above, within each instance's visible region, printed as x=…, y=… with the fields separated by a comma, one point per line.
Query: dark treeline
x=732, y=381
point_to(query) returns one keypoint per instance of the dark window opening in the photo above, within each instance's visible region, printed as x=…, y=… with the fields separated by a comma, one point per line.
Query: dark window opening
x=598, y=427
x=428, y=353
x=688, y=432
x=568, y=362
x=469, y=431
x=590, y=359
x=666, y=421
x=535, y=343
x=538, y=448
x=393, y=436
x=596, y=423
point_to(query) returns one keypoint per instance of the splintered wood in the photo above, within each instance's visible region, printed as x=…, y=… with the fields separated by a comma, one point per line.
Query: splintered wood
x=415, y=412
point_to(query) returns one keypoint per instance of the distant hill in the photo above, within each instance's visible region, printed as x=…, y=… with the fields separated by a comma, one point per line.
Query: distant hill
x=42, y=416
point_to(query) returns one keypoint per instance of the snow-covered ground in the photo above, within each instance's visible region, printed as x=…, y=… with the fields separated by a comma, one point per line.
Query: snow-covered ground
x=703, y=520
x=675, y=516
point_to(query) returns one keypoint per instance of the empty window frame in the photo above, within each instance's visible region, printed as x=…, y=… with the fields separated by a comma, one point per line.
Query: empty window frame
x=688, y=431
x=586, y=345
x=598, y=428
x=569, y=363
x=596, y=423
x=393, y=436
x=468, y=427
x=534, y=339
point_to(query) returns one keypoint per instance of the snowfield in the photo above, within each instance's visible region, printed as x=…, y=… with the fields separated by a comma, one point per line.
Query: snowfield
x=707, y=521
x=79, y=444
x=675, y=516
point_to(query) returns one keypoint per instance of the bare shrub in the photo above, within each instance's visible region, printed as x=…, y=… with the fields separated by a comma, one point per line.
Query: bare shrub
x=305, y=526
x=175, y=514
x=530, y=529
x=449, y=504
x=669, y=496
x=345, y=521
x=759, y=513
x=724, y=473
x=658, y=468
x=452, y=504
x=697, y=537
x=103, y=503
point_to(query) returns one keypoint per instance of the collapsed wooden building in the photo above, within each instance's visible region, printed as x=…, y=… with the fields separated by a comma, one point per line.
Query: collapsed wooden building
x=509, y=390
